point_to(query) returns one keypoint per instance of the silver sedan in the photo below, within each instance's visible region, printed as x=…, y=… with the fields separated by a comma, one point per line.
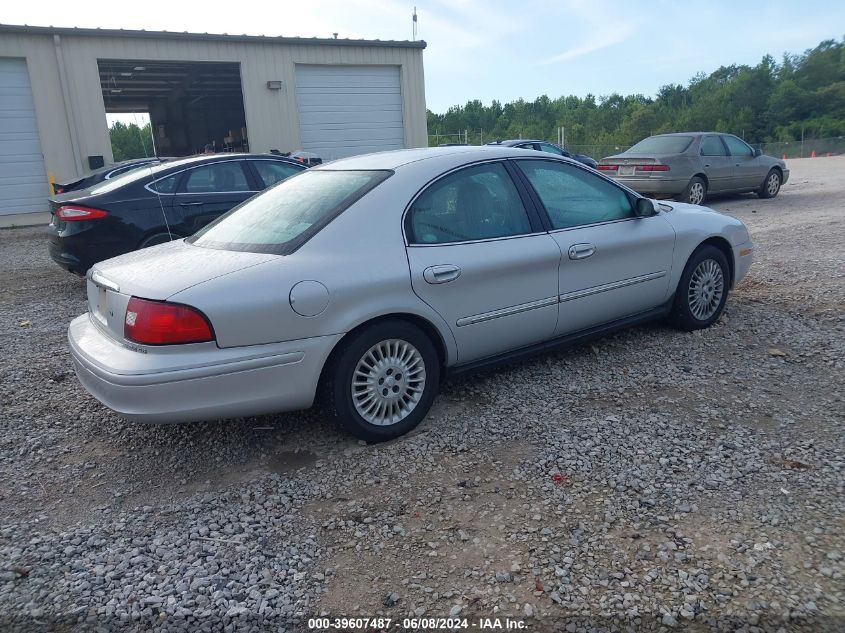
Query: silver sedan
x=691, y=165
x=370, y=279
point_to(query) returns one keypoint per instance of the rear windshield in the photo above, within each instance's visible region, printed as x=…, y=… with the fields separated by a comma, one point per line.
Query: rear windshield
x=285, y=216
x=661, y=145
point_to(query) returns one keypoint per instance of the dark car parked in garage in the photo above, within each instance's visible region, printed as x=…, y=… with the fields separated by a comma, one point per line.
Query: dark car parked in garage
x=550, y=148
x=106, y=173
x=155, y=204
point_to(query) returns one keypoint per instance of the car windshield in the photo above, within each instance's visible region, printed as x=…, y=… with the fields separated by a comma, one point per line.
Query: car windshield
x=661, y=145
x=285, y=216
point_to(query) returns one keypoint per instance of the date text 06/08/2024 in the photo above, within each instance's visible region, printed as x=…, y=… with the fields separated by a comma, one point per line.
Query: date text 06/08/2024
x=415, y=624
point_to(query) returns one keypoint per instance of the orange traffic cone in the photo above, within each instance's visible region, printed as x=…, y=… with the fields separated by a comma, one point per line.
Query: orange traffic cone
x=813, y=154
x=784, y=157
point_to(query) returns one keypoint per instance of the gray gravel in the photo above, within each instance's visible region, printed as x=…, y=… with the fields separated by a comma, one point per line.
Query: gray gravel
x=652, y=479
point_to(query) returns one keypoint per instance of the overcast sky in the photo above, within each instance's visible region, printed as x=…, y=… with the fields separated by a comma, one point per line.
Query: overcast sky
x=491, y=49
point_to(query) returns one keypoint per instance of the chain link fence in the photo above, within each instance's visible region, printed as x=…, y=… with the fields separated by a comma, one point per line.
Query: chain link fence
x=804, y=149
x=807, y=148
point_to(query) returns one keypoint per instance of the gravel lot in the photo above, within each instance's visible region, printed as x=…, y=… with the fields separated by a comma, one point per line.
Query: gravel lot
x=653, y=479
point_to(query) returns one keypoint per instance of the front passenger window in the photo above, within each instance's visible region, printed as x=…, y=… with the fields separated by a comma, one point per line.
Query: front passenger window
x=472, y=204
x=575, y=197
x=737, y=147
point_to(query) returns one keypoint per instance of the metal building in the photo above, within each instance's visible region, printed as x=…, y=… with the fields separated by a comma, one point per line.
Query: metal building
x=334, y=97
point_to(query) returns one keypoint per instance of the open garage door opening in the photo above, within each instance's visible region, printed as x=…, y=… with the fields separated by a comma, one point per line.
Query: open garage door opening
x=193, y=106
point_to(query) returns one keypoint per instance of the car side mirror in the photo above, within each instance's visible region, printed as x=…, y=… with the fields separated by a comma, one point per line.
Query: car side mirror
x=758, y=152
x=644, y=208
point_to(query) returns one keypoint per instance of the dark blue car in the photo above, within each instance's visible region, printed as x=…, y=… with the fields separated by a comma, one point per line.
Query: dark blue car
x=155, y=204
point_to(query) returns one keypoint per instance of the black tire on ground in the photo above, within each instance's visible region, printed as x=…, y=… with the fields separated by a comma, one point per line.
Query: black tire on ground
x=340, y=402
x=695, y=192
x=771, y=185
x=158, y=238
x=700, y=296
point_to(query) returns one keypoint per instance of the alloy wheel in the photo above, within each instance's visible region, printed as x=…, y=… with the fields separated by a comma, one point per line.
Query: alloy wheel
x=706, y=287
x=696, y=193
x=773, y=184
x=388, y=382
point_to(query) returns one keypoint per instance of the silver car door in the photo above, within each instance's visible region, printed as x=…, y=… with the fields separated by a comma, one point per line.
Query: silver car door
x=746, y=166
x=614, y=264
x=716, y=164
x=482, y=262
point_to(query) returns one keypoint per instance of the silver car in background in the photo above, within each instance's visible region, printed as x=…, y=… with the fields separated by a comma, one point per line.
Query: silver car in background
x=690, y=165
x=369, y=279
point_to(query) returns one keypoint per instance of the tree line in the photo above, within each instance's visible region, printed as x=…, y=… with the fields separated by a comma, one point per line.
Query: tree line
x=803, y=95
x=131, y=141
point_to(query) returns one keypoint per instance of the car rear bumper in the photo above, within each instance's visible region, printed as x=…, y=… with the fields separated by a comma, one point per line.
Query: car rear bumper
x=76, y=246
x=743, y=258
x=65, y=259
x=654, y=186
x=193, y=382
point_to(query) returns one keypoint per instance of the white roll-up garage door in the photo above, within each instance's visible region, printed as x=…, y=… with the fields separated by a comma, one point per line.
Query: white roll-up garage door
x=23, y=179
x=348, y=110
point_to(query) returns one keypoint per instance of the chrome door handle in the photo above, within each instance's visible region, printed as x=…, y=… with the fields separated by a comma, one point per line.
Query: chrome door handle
x=441, y=274
x=581, y=251
x=190, y=204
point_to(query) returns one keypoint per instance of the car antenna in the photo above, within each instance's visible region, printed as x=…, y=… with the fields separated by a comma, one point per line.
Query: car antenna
x=160, y=205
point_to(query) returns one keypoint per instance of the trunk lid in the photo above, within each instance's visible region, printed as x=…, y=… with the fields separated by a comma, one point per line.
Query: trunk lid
x=629, y=159
x=157, y=273
x=161, y=271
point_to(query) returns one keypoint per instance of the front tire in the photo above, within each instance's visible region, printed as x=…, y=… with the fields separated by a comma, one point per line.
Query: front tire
x=702, y=290
x=771, y=185
x=384, y=380
x=696, y=191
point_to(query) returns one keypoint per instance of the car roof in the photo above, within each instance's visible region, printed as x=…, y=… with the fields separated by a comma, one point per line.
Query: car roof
x=690, y=134
x=398, y=158
x=516, y=141
x=201, y=159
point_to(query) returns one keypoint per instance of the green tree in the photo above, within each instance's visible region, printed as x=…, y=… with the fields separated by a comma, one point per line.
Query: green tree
x=130, y=141
x=766, y=102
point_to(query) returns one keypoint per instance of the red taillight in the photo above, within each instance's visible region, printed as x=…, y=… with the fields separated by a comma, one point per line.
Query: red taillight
x=652, y=167
x=75, y=213
x=160, y=323
x=608, y=167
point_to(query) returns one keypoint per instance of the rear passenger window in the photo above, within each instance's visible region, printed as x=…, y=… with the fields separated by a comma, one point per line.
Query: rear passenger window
x=575, y=197
x=165, y=185
x=473, y=204
x=551, y=149
x=713, y=146
x=216, y=178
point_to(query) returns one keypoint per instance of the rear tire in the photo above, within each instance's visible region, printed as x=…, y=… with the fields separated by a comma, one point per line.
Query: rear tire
x=696, y=191
x=702, y=291
x=771, y=185
x=383, y=381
